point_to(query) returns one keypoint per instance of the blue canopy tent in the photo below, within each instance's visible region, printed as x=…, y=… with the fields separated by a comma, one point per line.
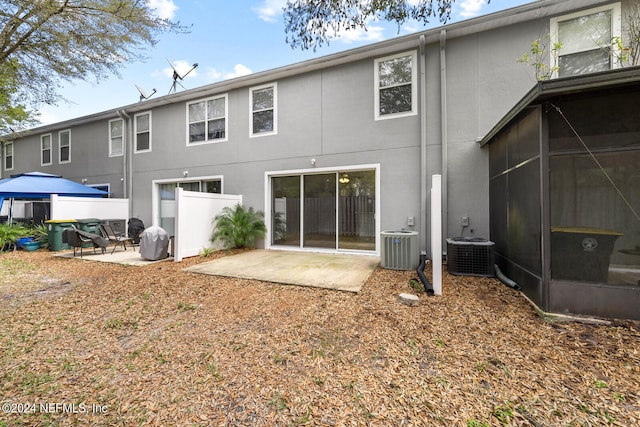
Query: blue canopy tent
x=39, y=185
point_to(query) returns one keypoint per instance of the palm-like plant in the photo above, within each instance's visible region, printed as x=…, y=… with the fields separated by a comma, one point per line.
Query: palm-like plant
x=10, y=233
x=238, y=227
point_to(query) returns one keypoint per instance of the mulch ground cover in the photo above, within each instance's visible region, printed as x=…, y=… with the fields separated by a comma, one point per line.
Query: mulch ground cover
x=85, y=343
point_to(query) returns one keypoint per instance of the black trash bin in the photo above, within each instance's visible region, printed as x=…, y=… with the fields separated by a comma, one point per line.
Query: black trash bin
x=582, y=254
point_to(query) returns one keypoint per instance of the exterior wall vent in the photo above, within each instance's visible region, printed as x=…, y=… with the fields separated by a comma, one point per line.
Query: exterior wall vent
x=399, y=250
x=468, y=256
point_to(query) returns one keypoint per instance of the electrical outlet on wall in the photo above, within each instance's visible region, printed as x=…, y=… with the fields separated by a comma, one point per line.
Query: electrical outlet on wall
x=410, y=221
x=465, y=221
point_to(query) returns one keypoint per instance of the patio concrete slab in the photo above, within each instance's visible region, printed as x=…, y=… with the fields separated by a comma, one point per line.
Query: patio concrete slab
x=330, y=271
x=129, y=257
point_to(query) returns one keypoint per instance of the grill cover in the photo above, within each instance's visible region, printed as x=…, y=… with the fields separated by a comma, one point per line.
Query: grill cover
x=154, y=243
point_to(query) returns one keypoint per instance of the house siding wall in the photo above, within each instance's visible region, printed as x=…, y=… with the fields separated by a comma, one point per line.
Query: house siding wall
x=328, y=114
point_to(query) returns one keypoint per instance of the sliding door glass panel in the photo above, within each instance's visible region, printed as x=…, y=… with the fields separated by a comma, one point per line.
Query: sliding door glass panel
x=320, y=211
x=285, y=214
x=356, y=210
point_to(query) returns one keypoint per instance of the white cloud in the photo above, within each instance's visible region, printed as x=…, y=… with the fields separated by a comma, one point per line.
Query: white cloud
x=239, y=70
x=165, y=9
x=212, y=74
x=270, y=10
x=471, y=8
x=372, y=34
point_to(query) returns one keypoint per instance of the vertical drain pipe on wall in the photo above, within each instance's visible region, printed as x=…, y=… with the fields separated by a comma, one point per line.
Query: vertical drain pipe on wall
x=423, y=168
x=444, y=122
x=423, y=147
x=127, y=165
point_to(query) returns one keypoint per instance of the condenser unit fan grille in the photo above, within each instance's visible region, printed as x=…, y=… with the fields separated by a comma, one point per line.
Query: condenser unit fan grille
x=470, y=257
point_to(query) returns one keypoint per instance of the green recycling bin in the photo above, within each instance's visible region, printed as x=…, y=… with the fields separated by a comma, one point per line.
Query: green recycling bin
x=90, y=225
x=55, y=227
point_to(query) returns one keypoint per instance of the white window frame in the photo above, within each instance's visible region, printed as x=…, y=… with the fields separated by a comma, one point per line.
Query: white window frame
x=136, y=132
x=42, y=149
x=274, y=86
x=111, y=138
x=616, y=31
x=9, y=145
x=206, y=131
x=62, y=132
x=414, y=86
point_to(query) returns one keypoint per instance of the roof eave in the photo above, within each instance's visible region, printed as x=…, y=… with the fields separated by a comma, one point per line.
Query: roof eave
x=546, y=89
x=512, y=16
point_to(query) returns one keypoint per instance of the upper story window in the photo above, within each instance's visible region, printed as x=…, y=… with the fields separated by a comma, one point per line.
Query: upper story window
x=142, y=132
x=207, y=120
x=8, y=155
x=64, y=146
x=263, y=103
x=587, y=39
x=45, y=150
x=116, y=137
x=396, y=86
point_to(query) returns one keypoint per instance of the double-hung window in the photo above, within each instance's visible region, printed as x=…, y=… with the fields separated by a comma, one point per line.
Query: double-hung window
x=396, y=86
x=263, y=103
x=587, y=40
x=116, y=137
x=64, y=146
x=207, y=120
x=45, y=150
x=142, y=132
x=8, y=155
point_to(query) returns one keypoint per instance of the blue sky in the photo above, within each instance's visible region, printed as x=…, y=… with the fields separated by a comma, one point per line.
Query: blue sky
x=227, y=39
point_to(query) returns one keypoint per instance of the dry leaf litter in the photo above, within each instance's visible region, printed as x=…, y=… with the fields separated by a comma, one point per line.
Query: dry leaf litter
x=99, y=344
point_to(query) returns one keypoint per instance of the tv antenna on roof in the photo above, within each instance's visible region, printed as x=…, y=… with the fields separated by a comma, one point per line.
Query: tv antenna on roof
x=143, y=94
x=177, y=76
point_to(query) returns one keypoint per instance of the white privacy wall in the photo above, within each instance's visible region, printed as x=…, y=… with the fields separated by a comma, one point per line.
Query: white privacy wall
x=63, y=207
x=194, y=215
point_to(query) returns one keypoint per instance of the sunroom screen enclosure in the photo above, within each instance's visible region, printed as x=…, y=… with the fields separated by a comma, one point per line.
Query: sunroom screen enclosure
x=565, y=195
x=332, y=210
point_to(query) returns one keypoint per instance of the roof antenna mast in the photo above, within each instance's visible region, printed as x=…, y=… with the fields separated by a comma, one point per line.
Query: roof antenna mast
x=177, y=77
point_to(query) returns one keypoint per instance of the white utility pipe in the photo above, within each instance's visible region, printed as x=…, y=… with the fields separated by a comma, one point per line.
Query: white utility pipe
x=436, y=234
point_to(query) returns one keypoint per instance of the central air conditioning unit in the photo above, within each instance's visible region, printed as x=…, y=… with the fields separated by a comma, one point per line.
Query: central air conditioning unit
x=470, y=256
x=399, y=250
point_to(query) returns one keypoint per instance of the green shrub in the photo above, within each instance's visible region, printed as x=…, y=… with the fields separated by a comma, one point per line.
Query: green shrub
x=42, y=235
x=10, y=233
x=238, y=228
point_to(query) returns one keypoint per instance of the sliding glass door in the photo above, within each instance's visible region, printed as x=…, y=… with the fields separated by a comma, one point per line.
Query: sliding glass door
x=357, y=210
x=285, y=210
x=320, y=211
x=333, y=210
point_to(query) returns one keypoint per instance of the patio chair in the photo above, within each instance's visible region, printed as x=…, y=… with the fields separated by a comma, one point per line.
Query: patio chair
x=115, y=238
x=81, y=239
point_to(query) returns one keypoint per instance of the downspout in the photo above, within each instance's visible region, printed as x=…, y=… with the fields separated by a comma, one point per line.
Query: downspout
x=127, y=165
x=423, y=146
x=444, y=132
x=423, y=168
